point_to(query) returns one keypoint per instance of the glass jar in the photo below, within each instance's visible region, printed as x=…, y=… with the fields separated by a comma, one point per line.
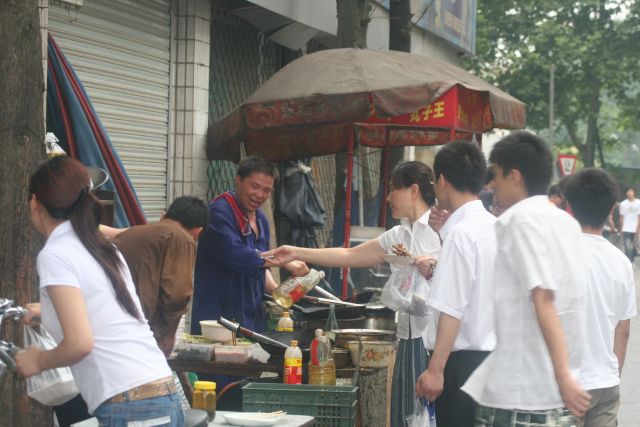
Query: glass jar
x=204, y=397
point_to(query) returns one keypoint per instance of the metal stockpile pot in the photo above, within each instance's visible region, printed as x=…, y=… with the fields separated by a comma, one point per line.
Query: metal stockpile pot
x=343, y=336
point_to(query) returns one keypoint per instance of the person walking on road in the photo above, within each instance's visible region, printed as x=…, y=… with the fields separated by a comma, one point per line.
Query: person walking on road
x=530, y=379
x=611, y=296
x=629, y=224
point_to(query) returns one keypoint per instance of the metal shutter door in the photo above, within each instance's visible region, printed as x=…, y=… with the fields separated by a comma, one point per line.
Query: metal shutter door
x=121, y=51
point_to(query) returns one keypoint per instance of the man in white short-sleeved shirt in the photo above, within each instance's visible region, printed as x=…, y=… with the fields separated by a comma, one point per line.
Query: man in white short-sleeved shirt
x=461, y=294
x=539, y=298
x=629, y=212
x=611, y=296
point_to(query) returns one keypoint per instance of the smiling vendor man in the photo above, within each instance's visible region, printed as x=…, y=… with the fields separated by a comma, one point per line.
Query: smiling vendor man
x=230, y=278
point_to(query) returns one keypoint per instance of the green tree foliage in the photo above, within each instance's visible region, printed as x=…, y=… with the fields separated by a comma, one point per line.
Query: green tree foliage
x=594, y=47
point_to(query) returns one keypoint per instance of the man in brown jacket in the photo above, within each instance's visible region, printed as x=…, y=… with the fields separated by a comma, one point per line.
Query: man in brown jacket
x=161, y=257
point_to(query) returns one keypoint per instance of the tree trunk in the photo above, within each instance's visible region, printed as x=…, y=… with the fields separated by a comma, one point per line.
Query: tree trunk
x=353, y=20
x=21, y=149
x=592, y=122
x=400, y=40
x=400, y=25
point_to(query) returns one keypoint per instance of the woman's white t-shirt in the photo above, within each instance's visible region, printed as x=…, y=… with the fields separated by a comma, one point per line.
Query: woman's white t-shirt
x=125, y=354
x=420, y=240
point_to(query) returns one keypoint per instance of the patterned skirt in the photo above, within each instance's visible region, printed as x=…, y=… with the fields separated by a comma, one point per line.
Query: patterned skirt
x=411, y=362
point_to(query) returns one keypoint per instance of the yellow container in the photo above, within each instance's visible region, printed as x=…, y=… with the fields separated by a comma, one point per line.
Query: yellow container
x=204, y=397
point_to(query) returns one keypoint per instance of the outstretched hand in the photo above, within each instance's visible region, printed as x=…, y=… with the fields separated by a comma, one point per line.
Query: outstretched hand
x=279, y=256
x=297, y=268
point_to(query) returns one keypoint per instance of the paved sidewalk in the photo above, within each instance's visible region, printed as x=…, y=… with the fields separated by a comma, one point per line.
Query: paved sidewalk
x=629, y=415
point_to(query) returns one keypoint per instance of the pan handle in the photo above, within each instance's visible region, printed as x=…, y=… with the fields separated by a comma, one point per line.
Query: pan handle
x=319, y=300
x=326, y=294
x=249, y=333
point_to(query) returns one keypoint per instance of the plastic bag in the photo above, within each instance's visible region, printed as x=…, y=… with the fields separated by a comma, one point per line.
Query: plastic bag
x=424, y=414
x=407, y=291
x=53, y=386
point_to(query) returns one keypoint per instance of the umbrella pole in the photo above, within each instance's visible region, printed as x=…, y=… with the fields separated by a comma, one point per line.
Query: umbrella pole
x=385, y=180
x=347, y=214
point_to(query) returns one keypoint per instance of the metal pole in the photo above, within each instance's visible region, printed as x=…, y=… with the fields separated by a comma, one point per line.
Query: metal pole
x=552, y=72
x=385, y=182
x=361, y=185
x=347, y=214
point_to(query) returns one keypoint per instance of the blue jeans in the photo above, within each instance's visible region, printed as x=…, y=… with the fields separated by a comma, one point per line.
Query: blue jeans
x=157, y=411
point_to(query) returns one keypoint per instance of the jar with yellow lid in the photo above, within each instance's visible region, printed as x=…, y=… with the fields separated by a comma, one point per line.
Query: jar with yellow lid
x=204, y=397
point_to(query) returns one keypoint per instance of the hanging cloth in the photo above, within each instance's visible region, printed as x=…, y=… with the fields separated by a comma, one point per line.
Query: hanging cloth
x=74, y=121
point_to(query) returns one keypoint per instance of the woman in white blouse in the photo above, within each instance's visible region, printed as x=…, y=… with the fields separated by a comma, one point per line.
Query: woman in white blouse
x=89, y=305
x=410, y=198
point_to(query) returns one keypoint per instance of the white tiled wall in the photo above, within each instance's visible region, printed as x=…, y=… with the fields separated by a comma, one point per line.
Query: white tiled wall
x=191, y=98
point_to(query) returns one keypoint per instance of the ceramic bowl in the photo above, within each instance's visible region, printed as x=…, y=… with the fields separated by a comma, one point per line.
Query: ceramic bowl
x=374, y=354
x=213, y=331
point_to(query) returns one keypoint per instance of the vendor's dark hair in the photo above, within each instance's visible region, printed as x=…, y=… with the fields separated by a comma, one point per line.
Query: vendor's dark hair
x=189, y=211
x=528, y=154
x=62, y=186
x=591, y=193
x=463, y=165
x=406, y=174
x=254, y=164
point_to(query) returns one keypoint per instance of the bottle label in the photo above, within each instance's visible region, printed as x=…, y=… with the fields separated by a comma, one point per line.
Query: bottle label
x=292, y=371
x=297, y=293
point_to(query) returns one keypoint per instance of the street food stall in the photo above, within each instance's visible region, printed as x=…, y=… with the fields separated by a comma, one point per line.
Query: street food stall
x=334, y=101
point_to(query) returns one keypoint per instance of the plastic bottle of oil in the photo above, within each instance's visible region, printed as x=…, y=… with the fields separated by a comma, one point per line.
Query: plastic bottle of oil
x=285, y=324
x=322, y=368
x=291, y=290
x=293, y=364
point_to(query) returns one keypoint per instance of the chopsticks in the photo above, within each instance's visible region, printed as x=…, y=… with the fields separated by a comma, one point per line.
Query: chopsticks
x=267, y=415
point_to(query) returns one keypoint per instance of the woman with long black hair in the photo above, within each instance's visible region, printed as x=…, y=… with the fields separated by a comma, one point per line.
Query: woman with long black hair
x=89, y=305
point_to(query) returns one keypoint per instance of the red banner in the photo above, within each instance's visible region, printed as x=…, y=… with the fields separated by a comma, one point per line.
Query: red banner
x=459, y=108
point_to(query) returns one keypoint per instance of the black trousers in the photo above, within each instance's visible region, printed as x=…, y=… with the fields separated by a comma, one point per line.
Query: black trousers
x=454, y=408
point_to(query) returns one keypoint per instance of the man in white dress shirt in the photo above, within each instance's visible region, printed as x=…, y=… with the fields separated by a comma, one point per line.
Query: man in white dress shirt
x=461, y=294
x=530, y=379
x=611, y=296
